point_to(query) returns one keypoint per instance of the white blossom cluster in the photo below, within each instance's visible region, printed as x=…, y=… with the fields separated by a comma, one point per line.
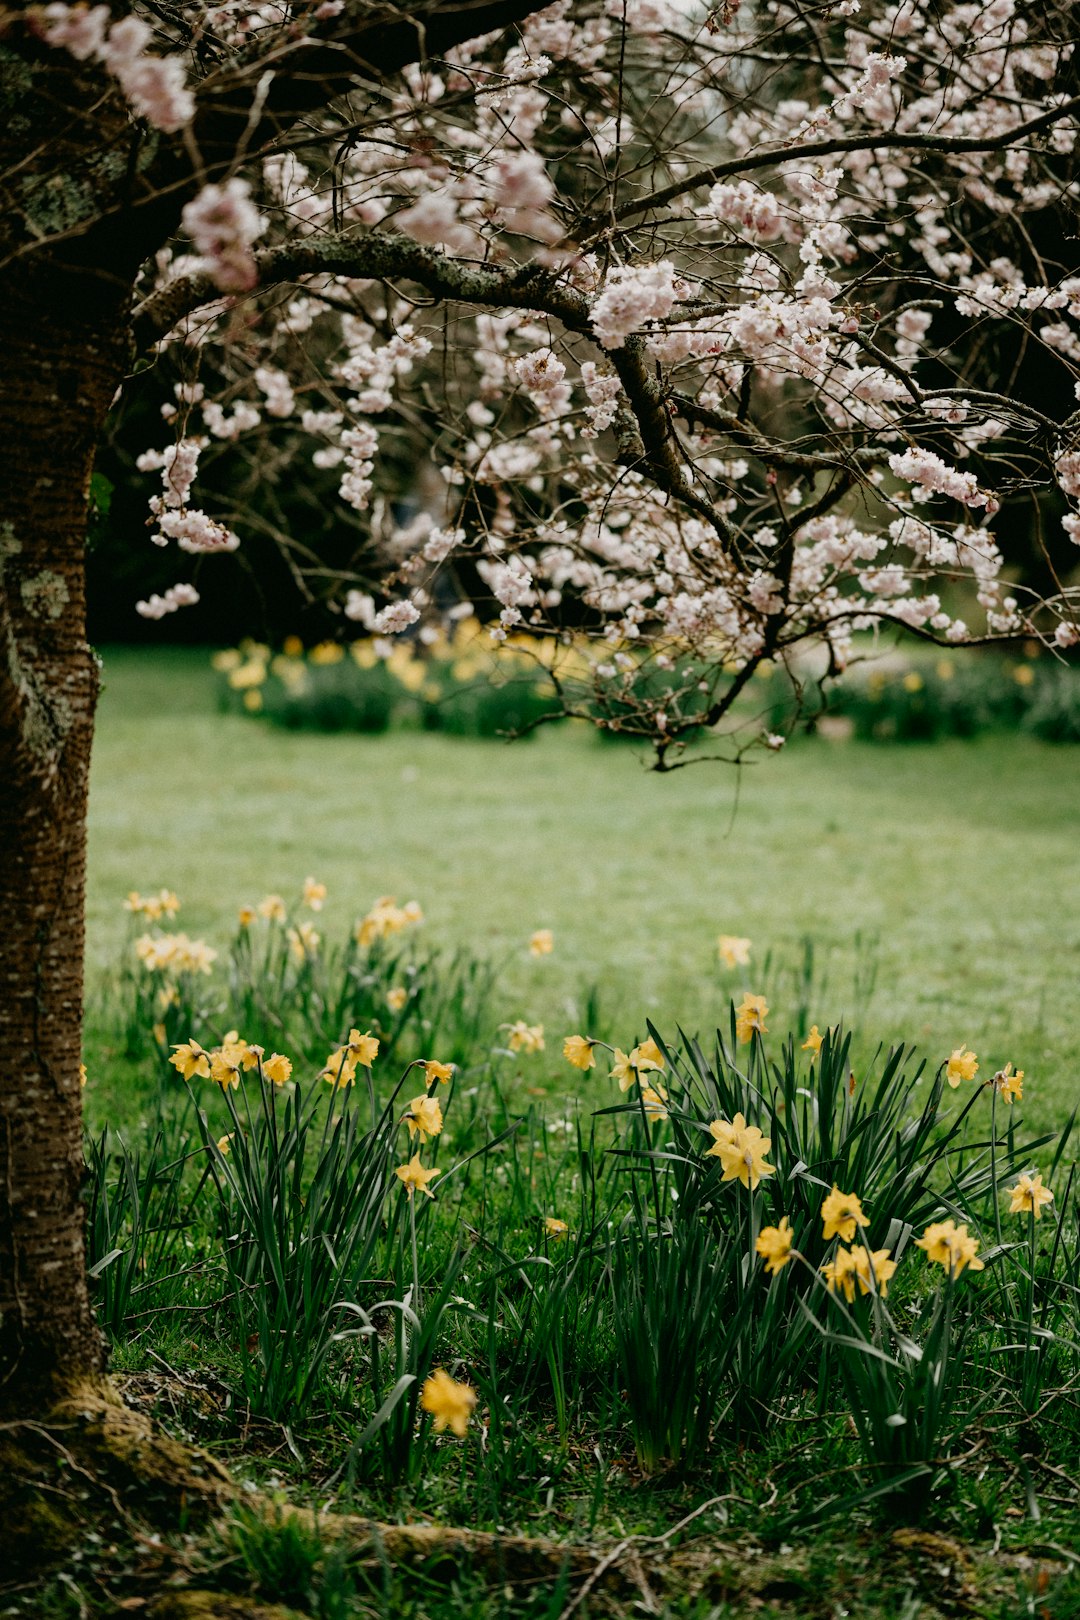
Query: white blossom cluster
x=725, y=421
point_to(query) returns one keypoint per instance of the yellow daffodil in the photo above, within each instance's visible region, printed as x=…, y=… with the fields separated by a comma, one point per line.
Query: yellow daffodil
x=525, y=1038
x=842, y=1213
x=774, y=1243
x=813, y=1041
x=339, y=1070
x=224, y=1144
x=542, y=943
x=654, y=1101
x=413, y=1176
x=741, y=1149
x=277, y=1068
x=647, y=1056
x=82, y=1076
x=623, y=1070
x=247, y=916
x=840, y=1273
x=962, y=1065
x=555, y=1229
x=580, y=1051
x=951, y=1246
x=272, y=908
x=362, y=1049
x=396, y=998
x=733, y=951
x=451, y=1404
x=425, y=1117
x=750, y=1016
x=1009, y=1084
x=1029, y=1195
x=442, y=1072
x=874, y=1269
x=225, y=1066
x=314, y=894
x=252, y=1056
x=191, y=1061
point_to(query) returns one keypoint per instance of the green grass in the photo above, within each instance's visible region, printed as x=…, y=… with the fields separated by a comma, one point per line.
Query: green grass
x=646, y=1365
x=959, y=857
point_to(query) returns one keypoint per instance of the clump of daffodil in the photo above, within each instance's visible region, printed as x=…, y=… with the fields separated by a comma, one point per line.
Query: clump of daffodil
x=841, y=1214
x=962, y=1065
x=1009, y=1084
x=414, y=1177
x=580, y=1051
x=750, y=1016
x=950, y=1246
x=741, y=1149
x=868, y=1270
x=451, y=1404
x=1029, y=1195
x=152, y=906
x=733, y=950
x=424, y=1117
x=774, y=1243
x=386, y=917
x=304, y=941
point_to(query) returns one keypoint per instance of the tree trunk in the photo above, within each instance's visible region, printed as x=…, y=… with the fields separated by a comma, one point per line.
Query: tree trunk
x=62, y=337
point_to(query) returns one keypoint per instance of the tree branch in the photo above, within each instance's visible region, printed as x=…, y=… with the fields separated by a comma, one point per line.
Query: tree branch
x=380, y=256
x=812, y=150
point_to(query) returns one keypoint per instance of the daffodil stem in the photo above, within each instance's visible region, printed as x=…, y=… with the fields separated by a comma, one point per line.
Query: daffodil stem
x=415, y=1256
x=993, y=1162
x=648, y=1152
x=1030, y=1291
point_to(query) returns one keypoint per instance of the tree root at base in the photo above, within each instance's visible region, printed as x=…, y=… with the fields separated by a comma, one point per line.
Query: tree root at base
x=92, y=1466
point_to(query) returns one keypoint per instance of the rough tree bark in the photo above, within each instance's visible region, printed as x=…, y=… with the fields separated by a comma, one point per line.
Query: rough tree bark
x=62, y=337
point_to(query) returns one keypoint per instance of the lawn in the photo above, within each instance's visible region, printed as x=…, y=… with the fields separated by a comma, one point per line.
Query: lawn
x=953, y=866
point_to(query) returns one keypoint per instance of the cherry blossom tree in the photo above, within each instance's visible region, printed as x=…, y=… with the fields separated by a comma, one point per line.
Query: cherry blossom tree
x=699, y=318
